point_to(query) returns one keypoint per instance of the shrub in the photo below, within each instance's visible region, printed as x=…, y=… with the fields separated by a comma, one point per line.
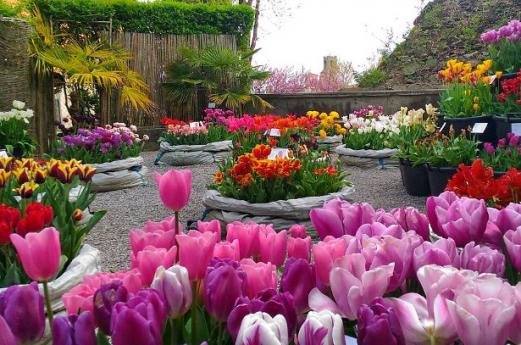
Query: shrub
x=6, y=10
x=372, y=77
x=162, y=17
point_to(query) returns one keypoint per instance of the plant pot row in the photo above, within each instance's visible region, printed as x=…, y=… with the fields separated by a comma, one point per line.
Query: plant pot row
x=497, y=126
x=424, y=180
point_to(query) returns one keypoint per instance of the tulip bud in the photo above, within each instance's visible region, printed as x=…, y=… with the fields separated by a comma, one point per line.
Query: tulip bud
x=22, y=175
x=6, y=336
x=74, y=329
x=482, y=259
x=175, y=288
x=4, y=177
x=272, y=330
x=40, y=175
x=104, y=300
x=27, y=189
x=77, y=215
x=298, y=279
x=324, y=327
x=378, y=324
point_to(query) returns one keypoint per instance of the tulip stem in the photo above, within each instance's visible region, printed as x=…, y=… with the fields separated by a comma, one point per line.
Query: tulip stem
x=177, y=222
x=48, y=306
x=193, y=311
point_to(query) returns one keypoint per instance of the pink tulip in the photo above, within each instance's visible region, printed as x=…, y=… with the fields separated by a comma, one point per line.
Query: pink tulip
x=273, y=247
x=298, y=231
x=509, y=218
x=164, y=225
x=248, y=236
x=378, y=229
x=482, y=259
x=39, y=253
x=139, y=239
x=213, y=226
x=195, y=252
x=513, y=245
x=227, y=250
x=442, y=252
x=482, y=311
x=326, y=222
x=299, y=248
x=421, y=327
x=149, y=259
x=410, y=219
x=356, y=215
x=462, y=219
x=325, y=253
x=352, y=285
x=175, y=187
x=515, y=330
x=259, y=276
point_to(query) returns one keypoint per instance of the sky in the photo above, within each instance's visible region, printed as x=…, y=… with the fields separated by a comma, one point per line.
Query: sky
x=352, y=30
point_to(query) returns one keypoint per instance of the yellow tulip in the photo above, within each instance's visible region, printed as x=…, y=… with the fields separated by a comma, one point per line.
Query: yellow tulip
x=322, y=133
x=499, y=74
x=475, y=107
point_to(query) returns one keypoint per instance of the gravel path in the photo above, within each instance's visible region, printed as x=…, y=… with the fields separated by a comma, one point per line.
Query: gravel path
x=131, y=208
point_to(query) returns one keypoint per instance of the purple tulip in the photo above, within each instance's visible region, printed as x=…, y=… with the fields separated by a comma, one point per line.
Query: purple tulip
x=442, y=252
x=513, y=245
x=6, y=336
x=140, y=320
x=378, y=230
x=398, y=252
x=298, y=279
x=509, y=218
x=410, y=219
x=489, y=37
x=323, y=328
x=462, y=219
x=326, y=222
x=224, y=283
x=22, y=308
x=74, y=330
x=269, y=302
x=482, y=259
x=489, y=148
x=104, y=300
x=378, y=324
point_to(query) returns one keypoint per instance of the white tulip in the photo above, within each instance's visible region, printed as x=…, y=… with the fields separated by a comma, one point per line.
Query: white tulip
x=18, y=105
x=262, y=329
x=323, y=320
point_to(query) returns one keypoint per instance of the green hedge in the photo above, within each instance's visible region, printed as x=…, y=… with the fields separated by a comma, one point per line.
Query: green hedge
x=161, y=17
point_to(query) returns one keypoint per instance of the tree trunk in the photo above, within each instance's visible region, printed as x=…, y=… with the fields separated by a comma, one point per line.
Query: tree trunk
x=255, y=33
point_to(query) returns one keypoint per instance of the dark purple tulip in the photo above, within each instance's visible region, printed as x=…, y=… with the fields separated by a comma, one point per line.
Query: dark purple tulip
x=140, y=320
x=269, y=301
x=22, y=308
x=377, y=325
x=104, y=300
x=74, y=330
x=224, y=283
x=6, y=336
x=298, y=279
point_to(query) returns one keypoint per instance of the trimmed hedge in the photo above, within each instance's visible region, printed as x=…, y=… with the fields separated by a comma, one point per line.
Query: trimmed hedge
x=161, y=17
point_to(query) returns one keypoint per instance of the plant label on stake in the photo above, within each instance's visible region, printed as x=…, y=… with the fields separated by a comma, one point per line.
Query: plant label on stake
x=479, y=128
x=516, y=129
x=211, y=105
x=443, y=126
x=274, y=132
x=3, y=153
x=195, y=124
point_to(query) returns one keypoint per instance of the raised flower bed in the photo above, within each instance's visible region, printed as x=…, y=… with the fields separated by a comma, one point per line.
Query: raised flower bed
x=35, y=195
x=113, y=150
x=330, y=131
x=271, y=186
x=14, y=131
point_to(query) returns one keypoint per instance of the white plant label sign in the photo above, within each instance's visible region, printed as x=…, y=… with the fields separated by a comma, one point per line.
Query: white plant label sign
x=479, y=128
x=277, y=152
x=443, y=126
x=195, y=124
x=3, y=153
x=274, y=132
x=516, y=128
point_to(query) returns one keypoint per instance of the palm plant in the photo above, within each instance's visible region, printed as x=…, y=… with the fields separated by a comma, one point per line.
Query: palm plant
x=88, y=67
x=225, y=75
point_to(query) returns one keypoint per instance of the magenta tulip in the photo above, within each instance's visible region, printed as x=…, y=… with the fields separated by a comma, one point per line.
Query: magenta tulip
x=104, y=300
x=352, y=285
x=149, y=259
x=273, y=247
x=195, y=252
x=248, y=236
x=324, y=254
x=175, y=187
x=298, y=231
x=482, y=259
x=298, y=279
x=462, y=219
x=513, y=245
x=74, y=330
x=509, y=218
x=299, y=247
x=377, y=324
x=6, y=336
x=259, y=276
x=326, y=222
x=410, y=219
x=213, y=226
x=442, y=252
x=39, y=252
x=227, y=250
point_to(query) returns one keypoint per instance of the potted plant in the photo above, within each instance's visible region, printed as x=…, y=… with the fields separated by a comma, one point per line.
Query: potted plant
x=504, y=46
x=504, y=156
x=445, y=155
x=468, y=98
x=114, y=151
x=508, y=105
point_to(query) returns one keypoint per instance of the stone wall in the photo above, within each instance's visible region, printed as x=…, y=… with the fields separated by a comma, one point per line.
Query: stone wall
x=15, y=66
x=346, y=102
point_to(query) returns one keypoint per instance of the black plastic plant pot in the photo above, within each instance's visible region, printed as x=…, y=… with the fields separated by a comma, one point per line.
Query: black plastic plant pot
x=438, y=178
x=460, y=123
x=503, y=125
x=415, y=179
x=498, y=174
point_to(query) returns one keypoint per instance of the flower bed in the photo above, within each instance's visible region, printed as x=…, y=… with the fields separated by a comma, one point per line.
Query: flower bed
x=14, y=131
x=196, y=143
x=114, y=152
x=330, y=132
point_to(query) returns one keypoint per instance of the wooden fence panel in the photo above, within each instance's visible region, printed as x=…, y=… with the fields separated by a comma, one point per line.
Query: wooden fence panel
x=151, y=54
